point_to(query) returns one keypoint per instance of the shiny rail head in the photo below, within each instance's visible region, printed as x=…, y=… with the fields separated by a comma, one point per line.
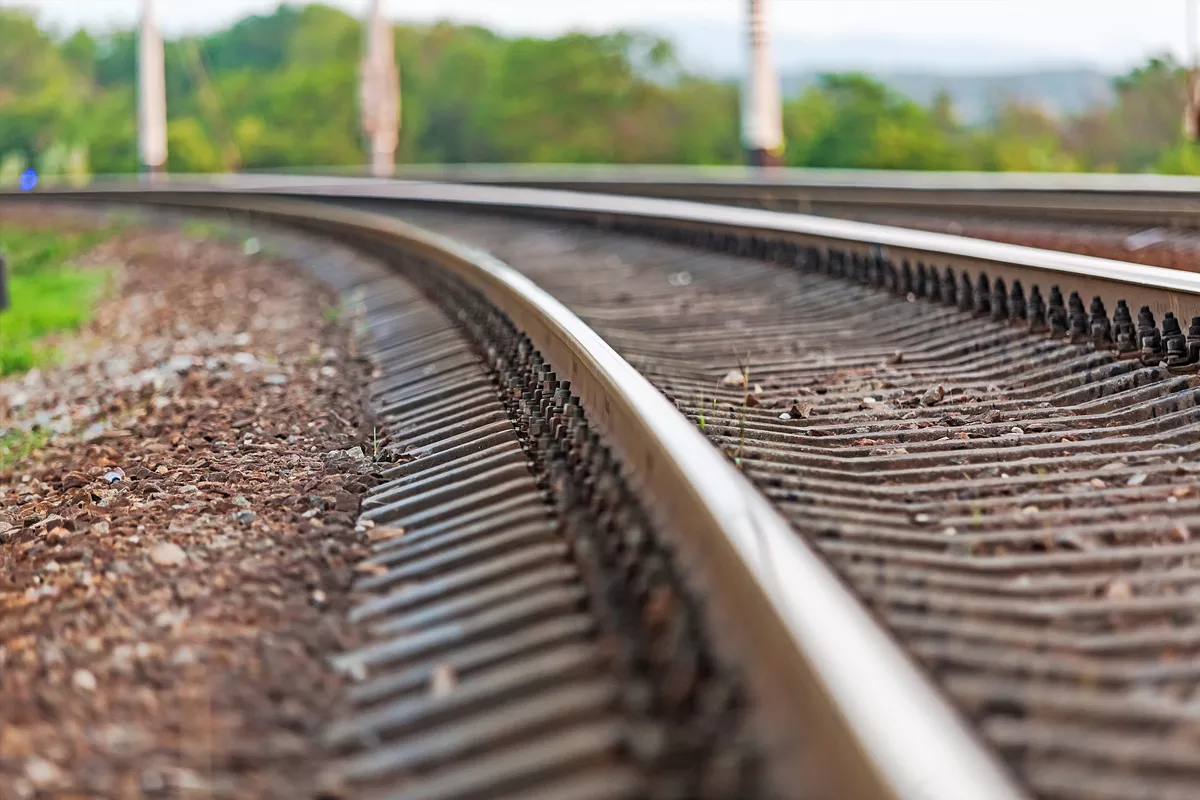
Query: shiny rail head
x=1157, y=293
x=963, y=251
x=604, y=176
x=827, y=677
x=1148, y=200
x=1162, y=291
x=1107, y=283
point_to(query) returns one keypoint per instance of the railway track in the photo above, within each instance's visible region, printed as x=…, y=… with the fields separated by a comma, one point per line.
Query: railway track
x=657, y=692
x=1002, y=471
x=496, y=663
x=1146, y=219
x=572, y=594
x=1070, y=199
x=1140, y=201
x=1018, y=510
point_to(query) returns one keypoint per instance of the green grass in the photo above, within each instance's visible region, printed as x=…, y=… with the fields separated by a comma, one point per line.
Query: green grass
x=47, y=294
x=206, y=228
x=15, y=445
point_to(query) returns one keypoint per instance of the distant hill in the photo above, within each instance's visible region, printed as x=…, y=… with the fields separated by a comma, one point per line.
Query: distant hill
x=978, y=75
x=1060, y=92
x=719, y=50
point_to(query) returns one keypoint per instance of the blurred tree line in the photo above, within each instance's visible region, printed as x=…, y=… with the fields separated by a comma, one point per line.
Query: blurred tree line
x=280, y=90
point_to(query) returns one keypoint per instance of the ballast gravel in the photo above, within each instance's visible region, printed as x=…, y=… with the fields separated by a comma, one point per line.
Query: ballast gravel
x=174, y=560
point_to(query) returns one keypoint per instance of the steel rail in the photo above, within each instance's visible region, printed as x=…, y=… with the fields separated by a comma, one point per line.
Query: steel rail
x=1142, y=200
x=983, y=524
x=837, y=700
x=1162, y=290
x=1159, y=288
x=547, y=174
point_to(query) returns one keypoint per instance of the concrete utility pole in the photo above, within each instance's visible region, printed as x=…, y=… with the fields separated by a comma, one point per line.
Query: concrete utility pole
x=380, y=92
x=152, y=95
x=1191, y=110
x=762, y=112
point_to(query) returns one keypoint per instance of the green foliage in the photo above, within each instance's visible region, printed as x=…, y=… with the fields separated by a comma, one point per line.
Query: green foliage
x=15, y=445
x=1150, y=111
x=11, y=167
x=29, y=61
x=256, y=42
x=323, y=35
x=301, y=116
x=63, y=161
x=445, y=75
x=111, y=134
x=703, y=122
x=202, y=228
x=281, y=90
x=189, y=148
x=47, y=294
x=79, y=53
x=524, y=106
x=854, y=121
x=1182, y=158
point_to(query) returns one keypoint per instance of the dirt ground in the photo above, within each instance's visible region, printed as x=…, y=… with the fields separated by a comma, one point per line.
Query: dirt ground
x=174, y=560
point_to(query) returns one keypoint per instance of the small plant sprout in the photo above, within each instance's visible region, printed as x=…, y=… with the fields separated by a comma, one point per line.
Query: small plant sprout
x=375, y=442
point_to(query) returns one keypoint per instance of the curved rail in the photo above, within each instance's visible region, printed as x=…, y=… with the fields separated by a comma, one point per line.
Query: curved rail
x=1162, y=290
x=1145, y=200
x=831, y=684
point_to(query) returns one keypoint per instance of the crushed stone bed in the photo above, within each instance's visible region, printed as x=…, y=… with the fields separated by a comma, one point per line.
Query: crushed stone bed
x=174, y=562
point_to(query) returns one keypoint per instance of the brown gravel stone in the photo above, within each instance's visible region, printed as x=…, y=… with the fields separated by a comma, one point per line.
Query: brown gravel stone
x=127, y=670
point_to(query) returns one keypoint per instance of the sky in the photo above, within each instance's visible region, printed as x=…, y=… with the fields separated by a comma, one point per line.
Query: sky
x=962, y=35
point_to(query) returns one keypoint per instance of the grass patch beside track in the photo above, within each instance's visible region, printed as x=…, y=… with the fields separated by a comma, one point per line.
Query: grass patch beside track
x=15, y=445
x=47, y=293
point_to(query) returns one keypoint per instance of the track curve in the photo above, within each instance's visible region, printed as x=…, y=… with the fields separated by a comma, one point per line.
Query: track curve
x=1044, y=625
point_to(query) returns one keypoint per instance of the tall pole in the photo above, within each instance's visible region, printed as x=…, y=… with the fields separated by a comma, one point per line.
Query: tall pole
x=152, y=95
x=762, y=123
x=380, y=93
x=1191, y=109
x=1190, y=27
